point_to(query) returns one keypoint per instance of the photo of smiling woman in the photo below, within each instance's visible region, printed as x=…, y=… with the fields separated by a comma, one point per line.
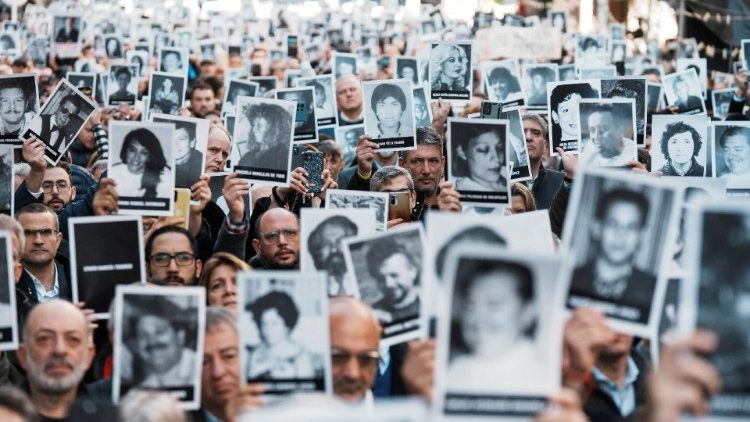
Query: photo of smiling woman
x=450, y=71
x=563, y=112
x=476, y=158
x=389, y=114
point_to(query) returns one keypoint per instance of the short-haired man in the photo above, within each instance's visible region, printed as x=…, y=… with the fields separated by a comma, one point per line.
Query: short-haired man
x=685, y=102
x=544, y=182
x=607, y=145
x=616, y=233
x=392, y=179
x=43, y=278
x=218, y=149
x=59, y=128
x=398, y=280
x=349, y=100
x=56, y=352
x=735, y=143
x=355, y=339
x=172, y=257
x=277, y=246
x=13, y=114
x=324, y=245
x=50, y=185
x=202, y=99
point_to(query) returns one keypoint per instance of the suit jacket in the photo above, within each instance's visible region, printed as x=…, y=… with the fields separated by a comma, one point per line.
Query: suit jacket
x=545, y=187
x=599, y=406
x=71, y=36
x=692, y=103
x=26, y=285
x=67, y=132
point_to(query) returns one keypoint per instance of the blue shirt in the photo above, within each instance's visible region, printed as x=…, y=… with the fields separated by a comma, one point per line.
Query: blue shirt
x=42, y=293
x=624, y=397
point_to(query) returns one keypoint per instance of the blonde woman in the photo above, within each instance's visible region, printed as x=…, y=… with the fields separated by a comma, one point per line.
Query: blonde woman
x=219, y=279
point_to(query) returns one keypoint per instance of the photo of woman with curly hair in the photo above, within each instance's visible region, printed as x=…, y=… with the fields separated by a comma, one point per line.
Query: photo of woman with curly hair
x=450, y=71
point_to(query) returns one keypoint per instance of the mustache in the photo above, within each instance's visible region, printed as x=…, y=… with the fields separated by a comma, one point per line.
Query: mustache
x=156, y=347
x=174, y=279
x=57, y=361
x=335, y=263
x=285, y=250
x=348, y=386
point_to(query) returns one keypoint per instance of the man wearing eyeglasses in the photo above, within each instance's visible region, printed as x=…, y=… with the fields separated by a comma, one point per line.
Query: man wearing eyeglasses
x=171, y=257
x=43, y=278
x=277, y=245
x=355, y=340
x=52, y=186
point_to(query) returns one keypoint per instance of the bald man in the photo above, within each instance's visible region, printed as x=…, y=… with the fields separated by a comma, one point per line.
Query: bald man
x=355, y=339
x=349, y=100
x=56, y=352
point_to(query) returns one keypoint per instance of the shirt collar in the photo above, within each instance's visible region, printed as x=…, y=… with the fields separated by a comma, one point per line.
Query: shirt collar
x=41, y=292
x=630, y=376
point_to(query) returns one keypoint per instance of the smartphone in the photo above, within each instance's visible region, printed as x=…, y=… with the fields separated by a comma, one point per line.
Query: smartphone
x=491, y=110
x=312, y=162
x=182, y=205
x=255, y=69
x=399, y=206
x=291, y=46
x=384, y=62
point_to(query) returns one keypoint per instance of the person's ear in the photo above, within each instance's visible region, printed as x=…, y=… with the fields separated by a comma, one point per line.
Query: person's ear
x=22, y=356
x=58, y=238
x=17, y=271
x=256, y=246
x=198, y=268
x=72, y=193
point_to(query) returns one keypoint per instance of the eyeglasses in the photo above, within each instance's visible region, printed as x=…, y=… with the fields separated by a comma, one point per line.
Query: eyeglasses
x=46, y=233
x=66, y=111
x=61, y=185
x=274, y=236
x=163, y=259
x=367, y=360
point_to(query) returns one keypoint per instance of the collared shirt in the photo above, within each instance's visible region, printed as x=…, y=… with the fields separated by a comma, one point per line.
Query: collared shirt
x=41, y=292
x=385, y=359
x=624, y=397
x=210, y=417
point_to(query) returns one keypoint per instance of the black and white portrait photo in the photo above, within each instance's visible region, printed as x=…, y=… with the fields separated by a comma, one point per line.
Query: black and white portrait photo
x=378, y=201
x=263, y=137
x=477, y=162
x=679, y=144
x=367, y=59
x=407, y=68
x=100, y=89
x=7, y=185
x=721, y=275
x=139, y=59
x=597, y=72
x=291, y=76
x=174, y=61
x=700, y=66
x=535, y=80
x=618, y=52
x=60, y=120
x=8, y=319
x=563, y=112
x=190, y=140
x=141, y=161
x=100, y=263
x=516, y=145
x=565, y=72
x=683, y=90
x=123, y=85
x=653, y=96
x=325, y=98
x=265, y=84
x=166, y=93
x=621, y=224
x=721, y=99
x=66, y=36
x=746, y=55
x=113, y=47
x=208, y=50
x=625, y=88
x=731, y=147
x=451, y=70
x=323, y=231
x=499, y=334
x=184, y=38
x=9, y=44
x=347, y=137
x=305, y=123
x=237, y=88
x=389, y=114
x=501, y=80
x=344, y=64
x=158, y=342
x=591, y=50
x=387, y=268
x=82, y=80
x=558, y=19
x=607, y=132
x=422, y=109
x=19, y=103
x=284, y=340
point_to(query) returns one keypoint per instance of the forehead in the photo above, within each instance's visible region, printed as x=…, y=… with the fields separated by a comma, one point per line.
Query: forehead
x=56, y=173
x=153, y=321
x=531, y=124
x=218, y=137
x=11, y=91
x=35, y=220
x=274, y=221
x=171, y=242
x=396, y=183
x=737, y=140
x=622, y=210
x=60, y=319
x=601, y=116
x=424, y=151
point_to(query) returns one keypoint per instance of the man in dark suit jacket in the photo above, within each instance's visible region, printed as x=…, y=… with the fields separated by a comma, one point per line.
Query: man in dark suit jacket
x=59, y=129
x=685, y=101
x=610, y=274
x=67, y=34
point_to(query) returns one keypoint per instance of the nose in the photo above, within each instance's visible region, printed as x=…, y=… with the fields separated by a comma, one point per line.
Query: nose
x=172, y=267
x=352, y=370
x=218, y=369
x=231, y=289
x=60, y=347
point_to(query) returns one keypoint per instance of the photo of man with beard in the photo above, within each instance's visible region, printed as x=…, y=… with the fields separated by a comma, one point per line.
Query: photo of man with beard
x=397, y=275
x=324, y=245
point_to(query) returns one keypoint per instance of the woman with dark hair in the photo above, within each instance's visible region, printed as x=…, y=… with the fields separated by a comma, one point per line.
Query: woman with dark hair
x=278, y=356
x=680, y=143
x=267, y=142
x=142, y=157
x=503, y=85
x=564, y=110
x=388, y=102
x=479, y=158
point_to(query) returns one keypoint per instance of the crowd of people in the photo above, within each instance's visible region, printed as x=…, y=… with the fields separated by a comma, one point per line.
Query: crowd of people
x=62, y=365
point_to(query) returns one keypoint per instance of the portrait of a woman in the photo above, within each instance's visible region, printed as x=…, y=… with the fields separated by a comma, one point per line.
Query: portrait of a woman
x=142, y=159
x=267, y=142
x=478, y=158
x=449, y=68
x=219, y=278
x=279, y=356
x=166, y=99
x=503, y=85
x=564, y=109
x=680, y=144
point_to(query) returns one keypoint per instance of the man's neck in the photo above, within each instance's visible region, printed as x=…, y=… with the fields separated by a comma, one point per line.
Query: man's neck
x=682, y=168
x=535, y=166
x=54, y=406
x=352, y=115
x=608, y=271
x=44, y=273
x=614, y=367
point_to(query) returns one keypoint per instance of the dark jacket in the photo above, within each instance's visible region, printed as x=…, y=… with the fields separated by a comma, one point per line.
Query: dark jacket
x=545, y=187
x=600, y=407
x=26, y=285
x=558, y=209
x=695, y=170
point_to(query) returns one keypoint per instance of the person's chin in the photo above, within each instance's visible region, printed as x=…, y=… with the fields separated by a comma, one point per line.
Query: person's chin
x=230, y=304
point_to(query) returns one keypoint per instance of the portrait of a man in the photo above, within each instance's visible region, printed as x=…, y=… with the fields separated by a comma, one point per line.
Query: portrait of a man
x=396, y=272
x=59, y=126
x=17, y=106
x=69, y=32
x=325, y=245
x=606, y=125
x=733, y=155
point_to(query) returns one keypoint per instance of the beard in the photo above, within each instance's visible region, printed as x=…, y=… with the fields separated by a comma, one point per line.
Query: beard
x=334, y=264
x=53, y=385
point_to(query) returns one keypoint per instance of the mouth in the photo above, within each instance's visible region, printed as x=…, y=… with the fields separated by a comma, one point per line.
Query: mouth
x=284, y=254
x=230, y=304
x=174, y=281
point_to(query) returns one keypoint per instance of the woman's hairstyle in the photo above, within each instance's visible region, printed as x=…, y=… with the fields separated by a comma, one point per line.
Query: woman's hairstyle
x=502, y=73
x=470, y=133
x=218, y=259
x=673, y=129
x=474, y=234
x=187, y=126
x=439, y=55
x=156, y=161
x=383, y=91
x=519, y=189
x=563, y=93
x=279, y=121
x=281, y=302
